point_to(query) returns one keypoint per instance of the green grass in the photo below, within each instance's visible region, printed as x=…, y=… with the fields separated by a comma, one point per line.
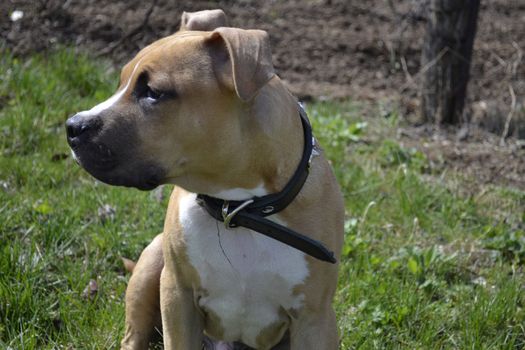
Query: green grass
x=426, y=266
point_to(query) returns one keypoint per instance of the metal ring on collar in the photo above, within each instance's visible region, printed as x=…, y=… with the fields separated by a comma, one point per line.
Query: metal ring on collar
x=227, y=217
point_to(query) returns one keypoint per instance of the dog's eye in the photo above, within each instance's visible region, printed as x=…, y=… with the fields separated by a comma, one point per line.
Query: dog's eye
x=148, y=95
x=153, y=94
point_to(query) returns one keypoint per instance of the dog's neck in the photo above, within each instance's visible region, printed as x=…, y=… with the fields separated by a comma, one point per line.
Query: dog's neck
x=276, y=143
x=280, y=125
x=270, y=153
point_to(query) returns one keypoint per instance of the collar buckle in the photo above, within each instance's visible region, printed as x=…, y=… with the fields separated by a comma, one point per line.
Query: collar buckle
x=227, y=217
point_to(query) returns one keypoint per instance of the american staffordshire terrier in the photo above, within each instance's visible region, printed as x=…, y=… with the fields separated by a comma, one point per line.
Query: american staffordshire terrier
x=204, y=110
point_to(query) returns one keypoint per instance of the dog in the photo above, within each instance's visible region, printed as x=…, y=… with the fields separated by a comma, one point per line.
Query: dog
x=203, y=109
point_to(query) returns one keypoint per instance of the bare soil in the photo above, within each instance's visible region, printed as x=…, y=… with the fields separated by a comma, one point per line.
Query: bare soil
x=365, y=50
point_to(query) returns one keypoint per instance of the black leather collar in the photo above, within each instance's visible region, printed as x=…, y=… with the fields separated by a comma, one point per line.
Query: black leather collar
x=251, y=213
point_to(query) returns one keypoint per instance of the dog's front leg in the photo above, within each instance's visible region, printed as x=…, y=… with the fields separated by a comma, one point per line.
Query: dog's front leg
x=181, y=323
x=142, y=298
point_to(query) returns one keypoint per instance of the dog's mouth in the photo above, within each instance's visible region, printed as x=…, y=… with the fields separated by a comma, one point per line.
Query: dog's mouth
x=95, y=156
x=117, y=170
x=95, y=161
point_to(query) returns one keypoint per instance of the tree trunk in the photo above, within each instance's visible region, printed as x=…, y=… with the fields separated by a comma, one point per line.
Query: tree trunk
x=446, y=56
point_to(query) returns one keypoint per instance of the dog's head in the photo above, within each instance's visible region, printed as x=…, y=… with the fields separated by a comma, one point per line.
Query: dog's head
x=177, y=112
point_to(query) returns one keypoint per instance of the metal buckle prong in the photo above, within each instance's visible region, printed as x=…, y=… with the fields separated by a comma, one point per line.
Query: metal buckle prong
x=314, y=153
x=227, y=217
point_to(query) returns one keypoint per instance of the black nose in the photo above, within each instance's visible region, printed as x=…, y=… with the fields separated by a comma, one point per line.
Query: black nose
x=80, y=127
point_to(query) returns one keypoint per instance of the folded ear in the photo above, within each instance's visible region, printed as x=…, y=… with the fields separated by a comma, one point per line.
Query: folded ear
x=206, y=20
x=242, y=59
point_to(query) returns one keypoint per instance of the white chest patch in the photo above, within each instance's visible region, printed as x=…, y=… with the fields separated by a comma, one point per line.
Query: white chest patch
x=247, y=276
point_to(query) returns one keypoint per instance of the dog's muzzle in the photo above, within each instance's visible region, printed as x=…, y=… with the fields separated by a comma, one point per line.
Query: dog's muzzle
x=110, y=156
x=81, y=130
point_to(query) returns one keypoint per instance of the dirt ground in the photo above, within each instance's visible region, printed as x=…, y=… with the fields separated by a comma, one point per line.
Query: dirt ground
x=366, y=50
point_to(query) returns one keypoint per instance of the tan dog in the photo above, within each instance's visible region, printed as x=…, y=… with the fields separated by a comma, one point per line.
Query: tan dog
x=205, y=110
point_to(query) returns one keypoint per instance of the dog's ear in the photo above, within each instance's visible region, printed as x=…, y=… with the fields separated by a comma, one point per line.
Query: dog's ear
x=206, y=20
x=242, y=59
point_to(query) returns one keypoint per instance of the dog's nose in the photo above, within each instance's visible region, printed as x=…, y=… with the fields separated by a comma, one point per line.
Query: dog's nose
x=80, y=126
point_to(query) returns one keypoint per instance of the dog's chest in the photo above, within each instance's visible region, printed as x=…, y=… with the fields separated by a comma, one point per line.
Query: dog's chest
x=246, y=278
